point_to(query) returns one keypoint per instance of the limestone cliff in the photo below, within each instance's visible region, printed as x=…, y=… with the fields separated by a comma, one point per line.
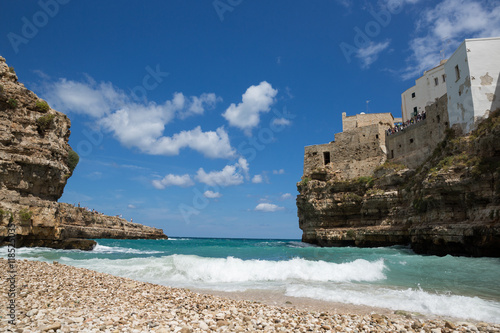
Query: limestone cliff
x=449, y=205
x=35, y=164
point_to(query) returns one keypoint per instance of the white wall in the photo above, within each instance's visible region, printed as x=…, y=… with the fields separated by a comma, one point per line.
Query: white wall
x=426, y=92
x=484, y=66
x=475, y=93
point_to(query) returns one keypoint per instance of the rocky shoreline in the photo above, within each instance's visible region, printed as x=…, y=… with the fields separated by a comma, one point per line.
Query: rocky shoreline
x=60, y=298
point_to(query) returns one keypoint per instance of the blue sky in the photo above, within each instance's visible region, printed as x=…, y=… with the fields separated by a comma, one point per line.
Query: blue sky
x=192, y=116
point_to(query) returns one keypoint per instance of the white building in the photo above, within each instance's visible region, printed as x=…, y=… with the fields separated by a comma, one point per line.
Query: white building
x=427, y=90
x=473, y=83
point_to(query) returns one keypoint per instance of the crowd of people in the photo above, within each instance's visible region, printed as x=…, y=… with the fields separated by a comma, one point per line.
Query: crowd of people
x=402, y=126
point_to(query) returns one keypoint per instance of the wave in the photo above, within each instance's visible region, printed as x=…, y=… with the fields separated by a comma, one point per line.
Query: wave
x=413, y=300
x=117, y=249
x=196, y=269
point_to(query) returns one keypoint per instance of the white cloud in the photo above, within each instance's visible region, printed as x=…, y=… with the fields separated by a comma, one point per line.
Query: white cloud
x=130, y=206
x=212, y=195
x=286, y=196
x=231, y=175
x=445, y=26
x=268, y=207
x=279, y=172
x=281, y=122
x=141, y=124
x=257, y=179
x=369, y=54
x=173, y=180
x=256, y=100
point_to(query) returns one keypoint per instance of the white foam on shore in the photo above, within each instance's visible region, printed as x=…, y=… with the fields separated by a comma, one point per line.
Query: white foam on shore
x=408, y=299
x=195, y=269
x=117, y=249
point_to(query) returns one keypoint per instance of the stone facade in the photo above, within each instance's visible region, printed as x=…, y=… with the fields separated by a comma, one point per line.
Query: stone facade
x=356, y=152
x=416, y=143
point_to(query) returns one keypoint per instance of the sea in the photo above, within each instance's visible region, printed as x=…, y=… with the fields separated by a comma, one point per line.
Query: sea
x=389, y=277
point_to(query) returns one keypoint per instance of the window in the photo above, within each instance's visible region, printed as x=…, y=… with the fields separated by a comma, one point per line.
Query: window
x=436, y=81
x=376, y=136
x=392, y=153
x=457, y=72
x=326, y=156
x=444, y=78
x=411, y=140
x=412, y=95
x=438, y=119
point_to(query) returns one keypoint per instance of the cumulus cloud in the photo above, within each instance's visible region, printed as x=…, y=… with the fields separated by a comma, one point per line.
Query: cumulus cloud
x=279, y=172
x=445, y=26
x=256, y=100
x=268, y=207
x=286, y=196
x=281, y=122
x=257, y=179
x=137, y=124
x=173, y=180
x=212, y=195
x=230, y=175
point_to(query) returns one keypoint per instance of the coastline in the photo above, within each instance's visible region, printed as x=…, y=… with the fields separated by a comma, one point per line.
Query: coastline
x=60, y=298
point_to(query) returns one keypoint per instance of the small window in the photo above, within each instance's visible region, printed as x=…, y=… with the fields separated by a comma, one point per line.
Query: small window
x=411, y=140
x=436, y=81
x=444, y=78
x=392, y=153
x=412, y=95
x=376, y=136
x=326, y=156
x=315, y=153
x=457, y=72
x=438, y=119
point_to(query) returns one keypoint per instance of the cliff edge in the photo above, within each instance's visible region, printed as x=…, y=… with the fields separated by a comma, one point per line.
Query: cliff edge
x=36, y=162
x=449, y=205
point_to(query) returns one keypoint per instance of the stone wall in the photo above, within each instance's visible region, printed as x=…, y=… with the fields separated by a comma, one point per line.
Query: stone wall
x=354, y=153
x=416, y=143
x=365, y=119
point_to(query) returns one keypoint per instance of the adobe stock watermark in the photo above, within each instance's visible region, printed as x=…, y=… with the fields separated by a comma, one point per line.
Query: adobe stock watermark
x=363, y=37
x=248, y=149
x=11, y=272
x=30, y=27
x=223, y=6
x=138, y=94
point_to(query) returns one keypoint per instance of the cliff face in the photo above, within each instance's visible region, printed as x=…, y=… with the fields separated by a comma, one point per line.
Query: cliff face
x=35, y=164
x=450, y=205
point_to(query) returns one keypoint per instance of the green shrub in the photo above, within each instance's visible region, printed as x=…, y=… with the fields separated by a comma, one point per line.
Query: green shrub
x=365, y=180
x=44, y=122
x=305, y=181
x=25, y=215
x=73, y=160
x=12, y=70
x=12, y=103
x=3, y=213
x=42, y=105
x=351, y=233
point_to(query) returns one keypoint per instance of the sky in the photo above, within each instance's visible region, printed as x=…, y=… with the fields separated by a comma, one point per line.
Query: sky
x=192, y=116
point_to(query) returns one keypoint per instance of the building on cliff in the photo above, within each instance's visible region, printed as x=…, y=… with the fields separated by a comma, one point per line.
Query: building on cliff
x=473, y=86
x=356, y=151
x=457, y=93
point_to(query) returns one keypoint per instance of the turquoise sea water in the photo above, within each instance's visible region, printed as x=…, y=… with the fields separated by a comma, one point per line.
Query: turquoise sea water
x=393, y=278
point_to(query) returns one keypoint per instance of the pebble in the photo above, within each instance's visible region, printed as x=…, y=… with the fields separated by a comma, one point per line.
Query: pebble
x=60, y=298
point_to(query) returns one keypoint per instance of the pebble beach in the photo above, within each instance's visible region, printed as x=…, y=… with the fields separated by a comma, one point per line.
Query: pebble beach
x=51, y=297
